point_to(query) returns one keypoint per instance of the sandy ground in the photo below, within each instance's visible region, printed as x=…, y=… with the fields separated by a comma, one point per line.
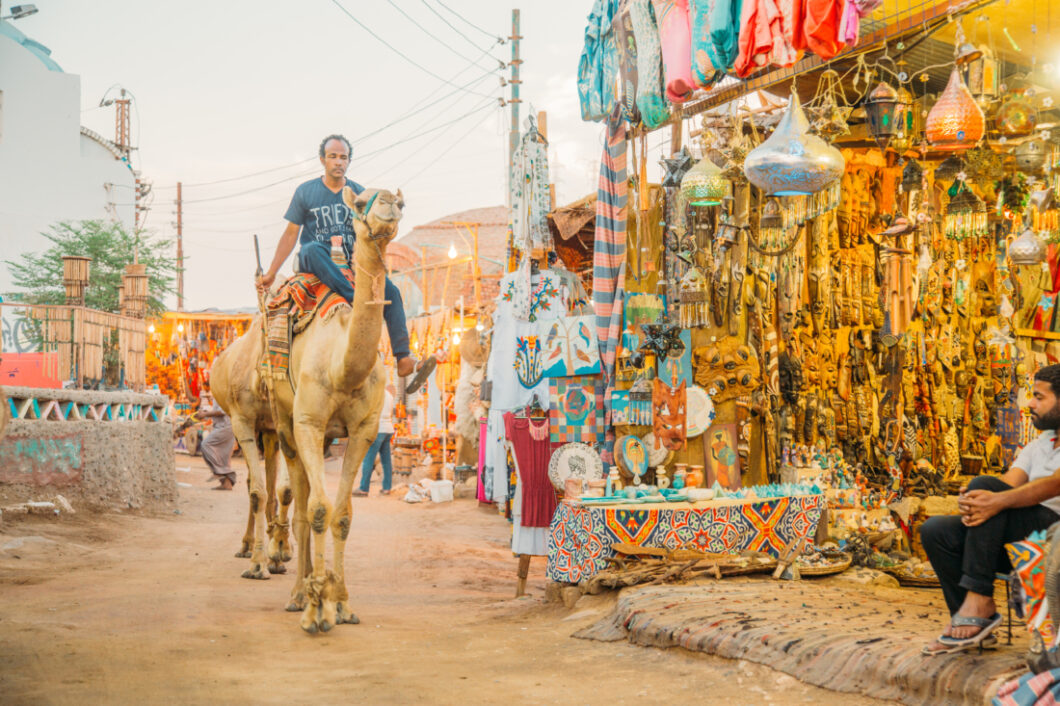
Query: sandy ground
x=152, y=609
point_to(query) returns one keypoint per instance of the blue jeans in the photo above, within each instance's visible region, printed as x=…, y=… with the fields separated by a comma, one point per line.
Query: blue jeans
x=381, y=445
x=315, y=259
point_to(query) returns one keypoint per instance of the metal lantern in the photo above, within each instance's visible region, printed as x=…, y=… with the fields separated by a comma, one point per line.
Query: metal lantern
x=912, y=176
x=956, y=121
x=965, y=214
x=1030, y=155
x=949, y=168
x=792, y=162
x=982, y=75
x=1027, y=249
x=704, y=184
x=1017, y=116
x=908, y=120
x=882, y=106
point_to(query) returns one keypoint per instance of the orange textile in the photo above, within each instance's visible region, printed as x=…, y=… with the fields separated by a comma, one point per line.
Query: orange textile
x=763, y=39
x=821, y=27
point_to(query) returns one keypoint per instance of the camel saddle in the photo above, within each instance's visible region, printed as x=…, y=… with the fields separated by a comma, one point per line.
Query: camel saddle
x=288, y=312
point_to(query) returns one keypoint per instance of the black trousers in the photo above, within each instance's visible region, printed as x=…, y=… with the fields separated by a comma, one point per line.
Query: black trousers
x=966, y=558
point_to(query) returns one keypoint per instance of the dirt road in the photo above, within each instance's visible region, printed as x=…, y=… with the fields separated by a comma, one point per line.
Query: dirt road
x=152, y=609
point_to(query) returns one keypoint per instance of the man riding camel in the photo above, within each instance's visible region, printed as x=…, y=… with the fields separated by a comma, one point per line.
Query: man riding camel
x=317, y=213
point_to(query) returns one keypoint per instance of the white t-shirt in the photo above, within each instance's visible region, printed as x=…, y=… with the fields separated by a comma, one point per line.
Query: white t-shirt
x=386, y=419
x=1040, y=459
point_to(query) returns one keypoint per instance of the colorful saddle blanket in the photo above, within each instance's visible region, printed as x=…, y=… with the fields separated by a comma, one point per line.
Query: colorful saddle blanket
x=288, y=312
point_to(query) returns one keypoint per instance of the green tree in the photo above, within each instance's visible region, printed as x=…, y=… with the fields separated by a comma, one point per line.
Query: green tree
x=111, y=248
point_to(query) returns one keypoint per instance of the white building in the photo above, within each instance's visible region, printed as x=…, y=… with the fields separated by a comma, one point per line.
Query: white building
x=51, y=168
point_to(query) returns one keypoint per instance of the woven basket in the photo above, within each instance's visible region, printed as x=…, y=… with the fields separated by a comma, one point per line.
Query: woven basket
x=913, y=581
x=837, y=568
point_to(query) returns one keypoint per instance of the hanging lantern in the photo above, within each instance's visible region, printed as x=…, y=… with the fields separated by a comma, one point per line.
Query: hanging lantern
x=882, y=107
x=1030, y=155
x=792, y=162
x=912, y=176
x=1027, y=249
x=955, y=122
x=982, y=76
x=1017, y=116
x=965, y=214
x=704, y=184
x=949, y=168
x=908, y=121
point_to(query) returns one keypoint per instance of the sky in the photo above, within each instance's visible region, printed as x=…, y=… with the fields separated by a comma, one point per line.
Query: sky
x=225, y=89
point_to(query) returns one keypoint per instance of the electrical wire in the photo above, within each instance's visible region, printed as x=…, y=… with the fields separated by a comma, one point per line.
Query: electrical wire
x=429, y=33
x=394, y=49
x=468, y=22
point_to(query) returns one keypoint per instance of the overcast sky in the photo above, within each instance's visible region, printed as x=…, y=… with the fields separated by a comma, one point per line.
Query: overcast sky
x=226, y=88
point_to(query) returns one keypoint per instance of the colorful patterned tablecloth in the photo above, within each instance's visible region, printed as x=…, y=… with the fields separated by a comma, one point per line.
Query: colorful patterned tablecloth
x=580, y=538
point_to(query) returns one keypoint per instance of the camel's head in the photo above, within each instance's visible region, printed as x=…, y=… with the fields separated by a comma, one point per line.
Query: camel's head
x=376, y=212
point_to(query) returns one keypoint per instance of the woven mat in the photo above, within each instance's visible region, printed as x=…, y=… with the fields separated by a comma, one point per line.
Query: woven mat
x=288, y=312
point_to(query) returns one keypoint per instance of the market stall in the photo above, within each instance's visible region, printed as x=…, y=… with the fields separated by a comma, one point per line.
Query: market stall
x=839, y=285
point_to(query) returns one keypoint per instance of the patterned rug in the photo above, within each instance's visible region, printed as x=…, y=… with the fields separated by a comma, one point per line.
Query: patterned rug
x=289, y=311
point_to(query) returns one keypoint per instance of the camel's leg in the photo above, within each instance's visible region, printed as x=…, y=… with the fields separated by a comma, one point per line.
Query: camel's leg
x=247, y=543
x=360, y=438
x=300, y=490
x=276, y=470
x=244, y=433
x=319, y=612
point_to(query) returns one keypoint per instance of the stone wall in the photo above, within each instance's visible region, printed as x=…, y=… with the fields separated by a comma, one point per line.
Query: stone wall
x=101, y=450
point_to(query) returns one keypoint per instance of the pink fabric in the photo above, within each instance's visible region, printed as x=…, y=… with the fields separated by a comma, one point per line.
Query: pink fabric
x=675, y=35
x=850, y=23
x=481, y=495
x=532, y=455
x=763, y=39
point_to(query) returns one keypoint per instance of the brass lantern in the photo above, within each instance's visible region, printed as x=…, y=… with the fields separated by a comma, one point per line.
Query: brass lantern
x=983, y=81
x=1027, y=249
x=882, y=108
x=956, y=121
x=965, y=214
x=1030, y=155
x=704, y=184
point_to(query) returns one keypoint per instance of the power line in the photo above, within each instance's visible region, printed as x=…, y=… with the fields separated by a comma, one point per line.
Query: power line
x=451, y=26
x=429, y=33
x=470, y=23
x=247, y=176
x=394, y=49
x=444, y=152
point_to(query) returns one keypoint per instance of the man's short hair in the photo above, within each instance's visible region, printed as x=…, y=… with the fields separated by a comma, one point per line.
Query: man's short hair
x=1051, y=375
x=329, y=138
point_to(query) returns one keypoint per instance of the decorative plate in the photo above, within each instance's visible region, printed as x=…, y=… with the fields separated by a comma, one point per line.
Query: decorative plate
x=574, y=460
x=700, y=411
x=631, y=455
x=656, y=456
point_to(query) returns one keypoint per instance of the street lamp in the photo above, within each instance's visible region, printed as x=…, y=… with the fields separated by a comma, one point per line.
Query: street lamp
x=20, y=11
x=452, y=250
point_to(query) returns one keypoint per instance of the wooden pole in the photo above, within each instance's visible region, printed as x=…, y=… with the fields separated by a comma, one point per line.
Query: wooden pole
x=423, y=279
x=180, y=249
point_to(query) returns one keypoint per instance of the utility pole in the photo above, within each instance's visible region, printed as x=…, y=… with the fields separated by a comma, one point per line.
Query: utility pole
x=514, y=101
x=180, y=249
x=121, y=125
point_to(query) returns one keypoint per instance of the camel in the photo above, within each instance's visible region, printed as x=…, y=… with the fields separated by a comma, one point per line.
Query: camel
x=237, y=385
x=337, y=390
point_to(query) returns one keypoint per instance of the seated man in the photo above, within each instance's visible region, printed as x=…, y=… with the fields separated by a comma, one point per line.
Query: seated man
x=968, y=549
x=316, y=214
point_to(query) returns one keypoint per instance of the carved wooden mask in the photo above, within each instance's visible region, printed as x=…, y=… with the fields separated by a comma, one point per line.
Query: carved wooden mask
x=669, y=415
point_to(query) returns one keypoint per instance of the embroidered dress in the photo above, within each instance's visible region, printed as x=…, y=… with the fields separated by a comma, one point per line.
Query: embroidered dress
x=675, y=35
x=530, y=440
x=530, y=194
x=651, y=101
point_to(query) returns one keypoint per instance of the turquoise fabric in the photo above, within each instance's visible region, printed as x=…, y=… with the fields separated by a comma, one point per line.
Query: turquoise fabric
x=598, y=66
x=725, y=32
x=651, y=98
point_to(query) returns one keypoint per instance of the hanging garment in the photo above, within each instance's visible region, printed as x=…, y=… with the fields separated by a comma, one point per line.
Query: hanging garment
x=626, y=47
x=651, y=101
x=571, y=347
x=609, y=247
x=598, y=67
x=530, y=440
x=849, y=23
x=675, y=36
x=724, y=23
x=792, y=12
x=481, y=494
x=576, y=410
x=821, y=27
x=763, y=40
x=530, y=197
x=703, y=53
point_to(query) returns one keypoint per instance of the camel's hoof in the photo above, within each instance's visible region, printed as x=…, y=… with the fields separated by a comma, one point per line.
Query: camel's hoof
x=256, y=572
x=275, y=568
x=325, y=626
x=296, y=604
x=345, y=615
x=286, y=556
x=309, y=627
x=310, y=621
x=243, y=553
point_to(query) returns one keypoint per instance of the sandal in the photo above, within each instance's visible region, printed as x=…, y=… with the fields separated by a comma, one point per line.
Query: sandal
x=989, y=642
x=428, y=366
x=985, y=625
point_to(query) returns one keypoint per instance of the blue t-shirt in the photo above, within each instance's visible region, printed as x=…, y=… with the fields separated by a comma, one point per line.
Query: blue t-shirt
x=322, y=213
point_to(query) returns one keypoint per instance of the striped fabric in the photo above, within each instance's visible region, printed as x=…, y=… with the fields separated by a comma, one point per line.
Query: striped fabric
x=609, y=249
x=291, y=309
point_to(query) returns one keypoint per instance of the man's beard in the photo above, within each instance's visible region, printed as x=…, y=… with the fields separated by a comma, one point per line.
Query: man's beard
x=1048, y=421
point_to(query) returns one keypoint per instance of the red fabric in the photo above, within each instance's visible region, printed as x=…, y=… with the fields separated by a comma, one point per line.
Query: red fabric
x=532, y=455
x=821, y=27
x=306, y=292
x=763, y=39
x=793, y=12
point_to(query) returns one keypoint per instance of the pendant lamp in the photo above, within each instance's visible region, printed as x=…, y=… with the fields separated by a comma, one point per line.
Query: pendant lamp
x=792, y=162
x=955, y=122
x=882, y=107
x=1027, y=249
x=1030, y=156
x=965, y=214
x=704, y=184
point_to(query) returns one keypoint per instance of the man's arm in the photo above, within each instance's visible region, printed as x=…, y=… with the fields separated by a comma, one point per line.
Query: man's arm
x=283, y=249
x=978, y=506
